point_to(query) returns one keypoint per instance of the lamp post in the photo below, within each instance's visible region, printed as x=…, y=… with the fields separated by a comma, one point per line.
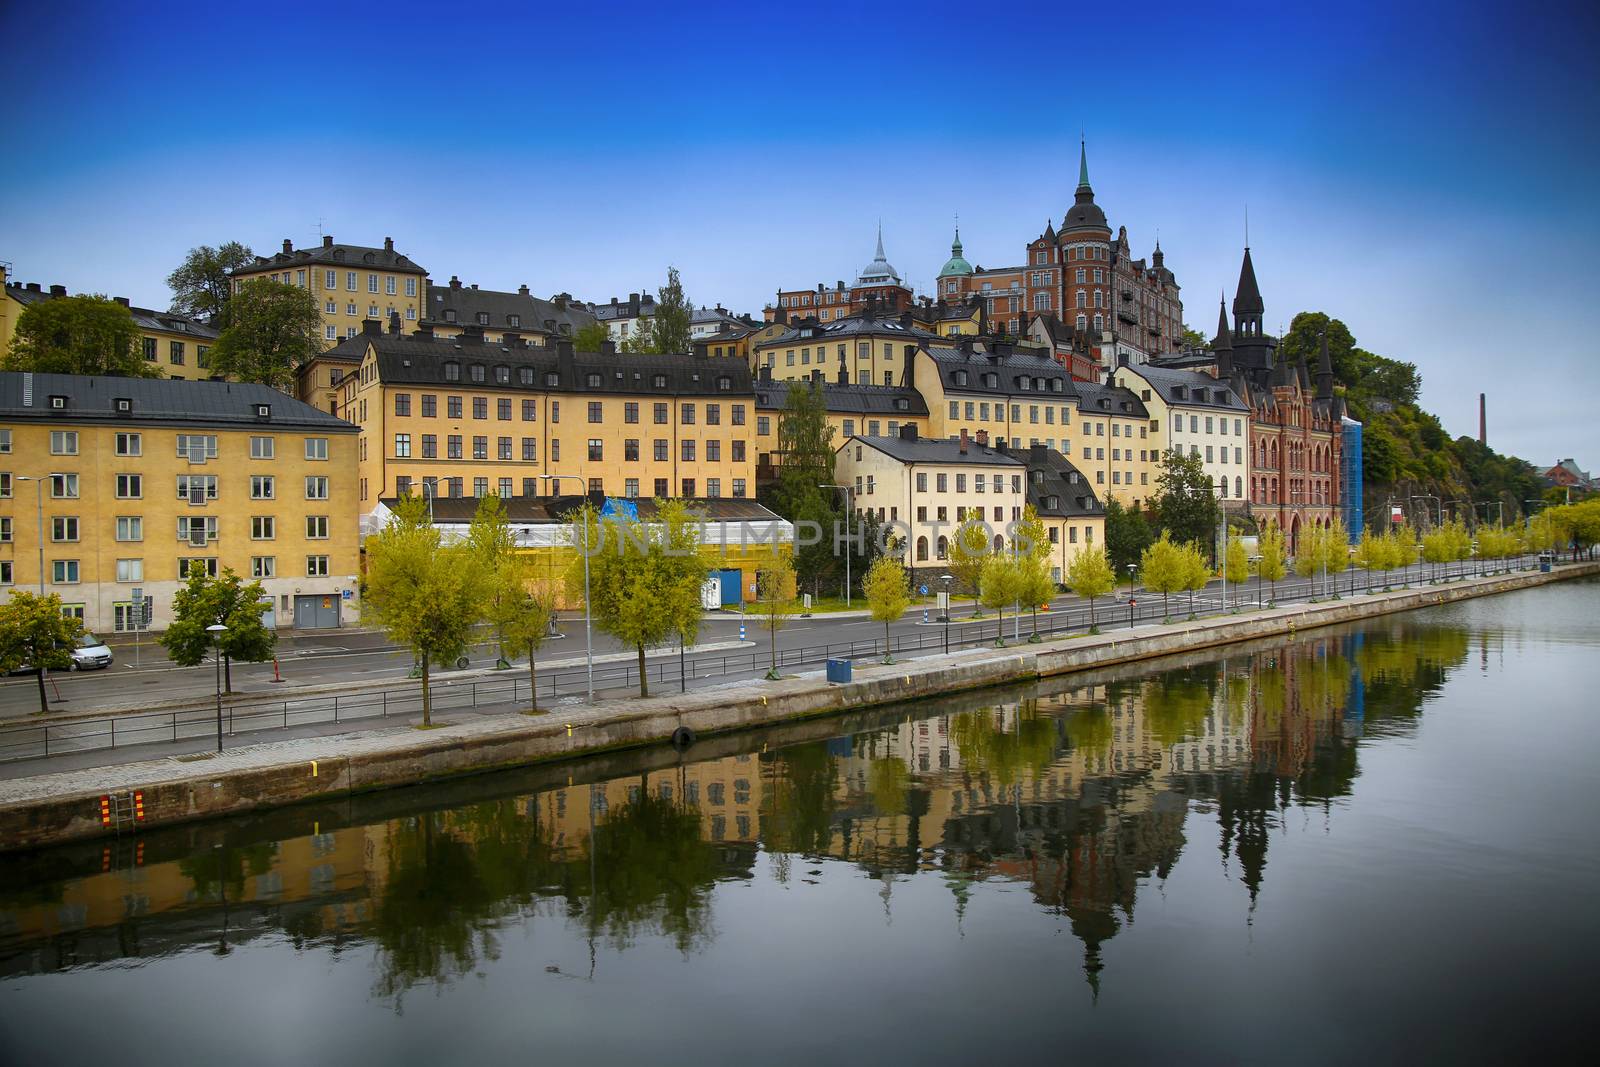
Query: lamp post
x=1131, y=601
x=946, y=579
x=1257, y=561
x=588, y=630
x=38, y=492
x=849, y=510
x=216, y=630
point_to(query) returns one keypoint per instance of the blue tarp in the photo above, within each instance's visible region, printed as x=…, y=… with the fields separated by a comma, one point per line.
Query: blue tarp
x=619, y=508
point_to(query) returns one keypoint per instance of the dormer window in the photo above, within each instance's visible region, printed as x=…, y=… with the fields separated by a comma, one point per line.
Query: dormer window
x=1055, y=385
x=724, y=383
x=483, y=318
x=659, y=381
x=961, y=377
x=514, y=320
x=124, y=405
x=1023, y=384
x=525, y=375
x=58, y=403
x=477, y=372
x=991, y=380
x=449, y=314
x=263, y=412
x=552, y=379
x=902, y=404
x=593, y=381
x=452, y=371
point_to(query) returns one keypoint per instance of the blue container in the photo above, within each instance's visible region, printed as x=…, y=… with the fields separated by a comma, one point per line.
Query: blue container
x=838, y=670
x=1544, y=565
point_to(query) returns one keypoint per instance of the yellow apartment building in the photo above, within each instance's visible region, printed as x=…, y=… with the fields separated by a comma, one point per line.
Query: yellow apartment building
x=112, y=484
x=1118, y=447
x=175, y=344
x=460, y=417
x=350, y=282
x=1200, y=416
x=1073, y=517
x=868, y=410
x=924, y=488
x=862, y=349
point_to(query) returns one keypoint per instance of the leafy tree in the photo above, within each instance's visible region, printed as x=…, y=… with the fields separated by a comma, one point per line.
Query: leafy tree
x=1196, y=571
x=669, y=327
x=1091, y=577
x=520, y=609
x=201, y=286
x=1371, y=554
x=272, y=328
x=1000, y=584
x=229, y=600
x=887, y=596
x=1034, y=587
x=492, y=545
x=644, y=577
x=591, y=336
x=1238, y=561
x=426, y=595
x=1128, y=534
x=775, y=592
x=1273, y=550
x=1185, y=503
x=1193, y=338
x=1162, y=568
x=78, y=335
x=969, y=551
x=805, y=445
x=34, y=633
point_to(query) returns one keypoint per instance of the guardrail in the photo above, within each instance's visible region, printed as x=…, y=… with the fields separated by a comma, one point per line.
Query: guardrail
x=25, y=741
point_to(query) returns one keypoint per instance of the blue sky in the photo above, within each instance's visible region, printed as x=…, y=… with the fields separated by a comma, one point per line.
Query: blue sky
x=1426, y=173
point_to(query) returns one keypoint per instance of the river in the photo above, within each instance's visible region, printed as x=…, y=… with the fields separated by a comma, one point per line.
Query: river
x=1376, y=842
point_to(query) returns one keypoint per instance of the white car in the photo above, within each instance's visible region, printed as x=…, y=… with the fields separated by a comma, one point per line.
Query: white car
x=89, y=653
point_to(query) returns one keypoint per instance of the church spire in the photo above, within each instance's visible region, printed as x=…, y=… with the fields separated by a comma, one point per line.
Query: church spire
x=1222, y=346
x=1247, y=305
x=1083, y=164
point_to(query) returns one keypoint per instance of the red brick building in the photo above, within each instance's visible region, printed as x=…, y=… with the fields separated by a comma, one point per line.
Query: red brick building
x=878, y=286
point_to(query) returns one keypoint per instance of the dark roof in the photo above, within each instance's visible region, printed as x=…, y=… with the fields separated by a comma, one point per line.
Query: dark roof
x=1051, y=474
x=555, y=509
x=851, y=326
x=1247, y=298
x=1190, y=388
x=935, y=450
x=420, y=359
x=92, y=397
x=467, y=301
x=848, y=399
x=334, y=255
x=1000, y=370
x=1098, y=399
x=633, y=307
x=144, y=318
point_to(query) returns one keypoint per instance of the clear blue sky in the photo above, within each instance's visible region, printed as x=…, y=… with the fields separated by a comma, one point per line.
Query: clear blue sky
x=1428, y=174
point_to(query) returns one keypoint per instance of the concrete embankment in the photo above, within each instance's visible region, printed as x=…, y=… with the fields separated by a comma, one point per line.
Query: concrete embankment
x=50, y=808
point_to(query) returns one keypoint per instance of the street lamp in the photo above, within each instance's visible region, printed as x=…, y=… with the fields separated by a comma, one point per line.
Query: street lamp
x=38, y=492
x=1131, y=601
x=216, y=630
x=1257, y=561
x=946, y=579
x=849, y=510
x=588, y=631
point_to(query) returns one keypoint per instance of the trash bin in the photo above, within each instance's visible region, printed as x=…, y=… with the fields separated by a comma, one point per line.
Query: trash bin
x=838, y=670
x=1544, y=564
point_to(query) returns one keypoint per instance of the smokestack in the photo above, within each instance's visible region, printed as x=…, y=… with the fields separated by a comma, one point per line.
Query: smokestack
x=1483, y=420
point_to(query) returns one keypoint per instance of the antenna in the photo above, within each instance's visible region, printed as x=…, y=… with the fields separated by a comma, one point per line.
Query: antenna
x=1247, y=226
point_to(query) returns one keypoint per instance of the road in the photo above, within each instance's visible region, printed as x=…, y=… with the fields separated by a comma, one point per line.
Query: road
x=365, y=657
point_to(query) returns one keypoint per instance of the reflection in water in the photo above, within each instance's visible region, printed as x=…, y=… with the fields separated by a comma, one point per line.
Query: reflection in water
x=1079, y=792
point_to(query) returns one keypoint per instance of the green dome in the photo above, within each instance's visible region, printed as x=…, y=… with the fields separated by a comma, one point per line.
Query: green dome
x=957, y=264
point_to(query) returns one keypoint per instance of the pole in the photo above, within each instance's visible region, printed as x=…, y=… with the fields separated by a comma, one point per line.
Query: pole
x=217, y=655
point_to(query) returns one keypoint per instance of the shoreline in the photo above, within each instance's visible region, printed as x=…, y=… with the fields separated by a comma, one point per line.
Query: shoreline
x=57, y=807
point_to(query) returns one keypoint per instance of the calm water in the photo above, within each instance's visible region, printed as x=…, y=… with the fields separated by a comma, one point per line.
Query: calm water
x=1379, y=842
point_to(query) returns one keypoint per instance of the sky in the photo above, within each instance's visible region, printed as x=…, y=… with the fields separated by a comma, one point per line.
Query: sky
x=1426, y=172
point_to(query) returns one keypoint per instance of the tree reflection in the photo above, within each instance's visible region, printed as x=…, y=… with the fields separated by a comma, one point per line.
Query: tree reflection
x=797, y=812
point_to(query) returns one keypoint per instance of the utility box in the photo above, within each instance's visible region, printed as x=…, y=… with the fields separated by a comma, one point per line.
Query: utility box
x=838, y=670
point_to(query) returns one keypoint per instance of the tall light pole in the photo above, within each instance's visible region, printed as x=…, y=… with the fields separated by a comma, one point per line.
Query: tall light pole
x=38, y=492
x=588, y=628
x=849, y=510
x=216, y=630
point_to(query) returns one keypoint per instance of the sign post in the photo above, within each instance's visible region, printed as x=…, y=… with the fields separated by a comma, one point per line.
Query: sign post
x=136, y=616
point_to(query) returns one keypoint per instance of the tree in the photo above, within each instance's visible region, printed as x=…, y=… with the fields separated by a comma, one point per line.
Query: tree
x=1238, y=561
x=34, y=633
x=426, y=595
x=669, y=327
x=969, y=551
x=78, y=335
x=806, y=471
x=1196, y=572
x=1000, y=584
x=1193, y=338
x=1162, y=568
x=206, y=601
x=644, y=577
x=775, y=592
x=591, y=336
x=201, y=286
x=1031, y=543
x=520, y=610
x=1185, y=503
x=1272, y=565
x=271, y=329
x=1090, y=576
x=492, y=545
x=1370, y=552
x=887, y=596
x=1128, y=534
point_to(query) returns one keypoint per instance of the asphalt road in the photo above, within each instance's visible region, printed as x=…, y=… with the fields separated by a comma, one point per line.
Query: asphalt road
x=359, y=656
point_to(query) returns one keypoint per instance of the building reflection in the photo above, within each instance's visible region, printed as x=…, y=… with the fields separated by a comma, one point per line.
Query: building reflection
x=1082, y=791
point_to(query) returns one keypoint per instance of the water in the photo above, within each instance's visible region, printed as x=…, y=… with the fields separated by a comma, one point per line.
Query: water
x=1379, y=843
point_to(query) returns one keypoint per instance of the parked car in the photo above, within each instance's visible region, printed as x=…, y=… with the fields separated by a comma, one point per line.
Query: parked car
x=89, y=653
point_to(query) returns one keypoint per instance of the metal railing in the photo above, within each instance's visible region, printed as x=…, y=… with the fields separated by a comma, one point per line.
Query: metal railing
x=25, y=741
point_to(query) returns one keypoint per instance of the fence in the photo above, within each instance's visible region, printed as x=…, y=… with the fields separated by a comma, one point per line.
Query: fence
x=38, y=740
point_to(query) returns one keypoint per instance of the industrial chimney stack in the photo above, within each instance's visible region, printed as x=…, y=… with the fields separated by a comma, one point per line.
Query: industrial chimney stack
x=1483, y=420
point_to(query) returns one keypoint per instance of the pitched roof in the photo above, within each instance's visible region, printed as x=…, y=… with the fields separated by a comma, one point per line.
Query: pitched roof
x=1188, y=388
x=468, y=301
x=1098, y=399
x=333, y=255
x=863, y=324
x=555, y=509
x=1053, y=475
x=1247, y=298
x=935, y=450
x=850, y=399
x=172, y=402
x=144, y=318
x=1000, y=370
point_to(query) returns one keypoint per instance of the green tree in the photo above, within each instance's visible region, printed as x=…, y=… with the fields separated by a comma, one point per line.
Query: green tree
x=806, y=470
x=520, y=609
x=1031, y=542
x=1091, y=577
x=492, y=545
x=78, y=335
x=229, y=600
x=1196, y=571
x=271, y=329
x=1128, y=534
x=667, y=331
x=34, y=633
x=1000, y=584
x=1273, y=550
x=201, y=286
x=887, y=596
x=1193, y=338
x=1185, y=503
x=1162, y=568
x=1238, y=561
x=425, y=595
x=775, y=592
x=969, y=551
x=591, y=336
x=644, y=577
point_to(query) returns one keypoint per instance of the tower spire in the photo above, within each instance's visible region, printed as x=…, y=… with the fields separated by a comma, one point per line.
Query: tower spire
x=1083, y=164
x=880, y=240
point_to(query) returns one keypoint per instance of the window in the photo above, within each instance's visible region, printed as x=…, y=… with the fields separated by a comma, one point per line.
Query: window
x=263, y=566
x=480, y=407
x=64, y=486
x=317, y=527
x=208, y=566
x=197, y=488
x=630, y=487
x=452, y=446
x=316, y=448
x=686, y=414
x=430, y=406
x=63, y=442
x=64, y=528
x=150, y=349
x=128, y=444
x=480, y=447
x=502, y=408
x=402, y=446
x=688, y=451
x=316, y=566
x=452, y=406
x=402, y=403
x=452, y=371
x=660, y=450
x=503, y=450
x=688, y=487
x=197, y=529
x=130, y=570
x=411, y=287
x=261, y=487
x=316, y=488
x=129, y=486
x=595, y=411
x=64, y=571
x=263, y=527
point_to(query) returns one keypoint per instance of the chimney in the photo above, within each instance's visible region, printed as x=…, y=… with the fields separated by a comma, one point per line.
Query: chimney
x=522, y=290
x=33, y=287
x=1037, y=454
x=121, y=300
x=327, y=240
x=965, y=345
x=58, y=290
x=288, y=246
x=613, y=301
x=963, y=440
x=474, y=285
x=511, y=339
x=371, y=327
x=983, y=438
x=388, y=244
x=905, y=319
x=908, y=431
x=472, y=332
x=844, y=375
x=394, y=323
x=911, y=367
x=766, y=372
x=425, y=330
x=1483, y=419
x=608, y=347
x=564, y=361
x=560, y=300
